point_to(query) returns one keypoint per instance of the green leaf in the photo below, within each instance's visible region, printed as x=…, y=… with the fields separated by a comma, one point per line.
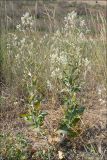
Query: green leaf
x=44, y=114
x=75, y=89
x=75, y=121
x=63, y=127
x=71, y=80
x=71, y=113
x=72, y=133
x=34, y=82
x=80, y=110
x=24, y=115
x=31, y=98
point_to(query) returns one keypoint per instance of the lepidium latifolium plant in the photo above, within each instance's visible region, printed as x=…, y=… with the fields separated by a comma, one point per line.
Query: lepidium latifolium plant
x=48, y=56
x=38, y=64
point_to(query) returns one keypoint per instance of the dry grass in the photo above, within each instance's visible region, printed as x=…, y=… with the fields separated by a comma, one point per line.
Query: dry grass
x=93, y=125
x=18, y=84
x=94, y=2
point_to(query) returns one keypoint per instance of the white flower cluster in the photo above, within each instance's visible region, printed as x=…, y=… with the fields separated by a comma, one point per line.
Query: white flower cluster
x=70, y=20
x=27, y=22
x=65, y=45
x=82, y=23
x=58, y=50
x=86, y=62
x=13, y=40
x=87, y=67
x=56, y=73
x=59, y=58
